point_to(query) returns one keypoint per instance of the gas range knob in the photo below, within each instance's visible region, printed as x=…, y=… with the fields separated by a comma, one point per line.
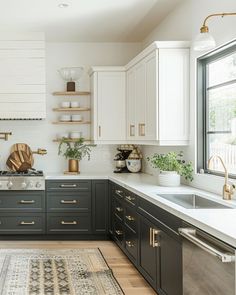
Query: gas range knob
x=23, y=185
x=38, y=184
x=9, y=184
x=0, y=184
x=31, y=184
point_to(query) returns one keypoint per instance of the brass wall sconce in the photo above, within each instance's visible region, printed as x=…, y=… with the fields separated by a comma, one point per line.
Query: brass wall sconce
x=5, y=135
x=204, y=40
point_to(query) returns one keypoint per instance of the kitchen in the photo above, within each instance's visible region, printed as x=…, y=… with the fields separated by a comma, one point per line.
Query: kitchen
x=81, y=35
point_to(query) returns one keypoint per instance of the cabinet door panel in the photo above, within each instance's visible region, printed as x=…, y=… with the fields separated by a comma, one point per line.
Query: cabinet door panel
x=171, y=265
x=111, y=106
x=149, y=255
x=131, y=104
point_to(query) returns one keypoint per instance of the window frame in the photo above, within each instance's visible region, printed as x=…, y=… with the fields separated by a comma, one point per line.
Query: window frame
x=202, y=113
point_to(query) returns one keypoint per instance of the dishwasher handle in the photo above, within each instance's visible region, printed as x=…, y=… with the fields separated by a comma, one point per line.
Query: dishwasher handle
x=190, y=235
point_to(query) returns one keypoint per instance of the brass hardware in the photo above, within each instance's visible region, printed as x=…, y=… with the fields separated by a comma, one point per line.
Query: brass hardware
x=150, y=236
x=99, y=131
x=129, y=198
x=228, y=189
x=118, y=192
x=68, y=201
x=119, y=232
x=68, y=222
x=27, y=202
x=40, y=152
x=27, y=223
x=68, y=185
x=130, y=218
x=5, y=135
x=131, y=130
x=155, y=243
x=129, y=244
x=141, y=128
x=119, y=209
x=205, y=29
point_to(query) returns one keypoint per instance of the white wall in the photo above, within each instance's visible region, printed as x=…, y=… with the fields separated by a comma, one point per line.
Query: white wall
x=183, y=24
x=41, y=133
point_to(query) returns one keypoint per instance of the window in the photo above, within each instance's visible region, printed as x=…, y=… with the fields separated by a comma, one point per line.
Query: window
x=217, y=109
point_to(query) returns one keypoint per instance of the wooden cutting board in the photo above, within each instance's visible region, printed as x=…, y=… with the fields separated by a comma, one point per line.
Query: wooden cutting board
x=19, y=161
x=24, y=148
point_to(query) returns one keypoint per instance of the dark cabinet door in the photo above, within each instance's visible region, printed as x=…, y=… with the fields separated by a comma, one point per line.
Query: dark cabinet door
x=149, y=252
x=171, y=265
x=100, y=206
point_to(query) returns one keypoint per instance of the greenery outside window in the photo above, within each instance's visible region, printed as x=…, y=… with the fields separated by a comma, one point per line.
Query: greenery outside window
x=217, y=109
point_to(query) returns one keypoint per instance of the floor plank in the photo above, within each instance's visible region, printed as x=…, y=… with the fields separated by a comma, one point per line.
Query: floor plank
x=126, y=274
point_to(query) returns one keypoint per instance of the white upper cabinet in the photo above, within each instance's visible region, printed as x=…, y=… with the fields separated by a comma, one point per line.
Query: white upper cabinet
x=22, y=76
x=158, y=95
x=108, y=95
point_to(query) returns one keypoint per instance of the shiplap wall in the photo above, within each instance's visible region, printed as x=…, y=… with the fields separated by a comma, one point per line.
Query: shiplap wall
x=22, y=76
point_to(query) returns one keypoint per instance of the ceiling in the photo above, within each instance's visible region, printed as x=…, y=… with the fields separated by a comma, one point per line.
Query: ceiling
x=86, y=20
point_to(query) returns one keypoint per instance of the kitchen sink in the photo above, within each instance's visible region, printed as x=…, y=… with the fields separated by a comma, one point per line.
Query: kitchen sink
x=192, y=201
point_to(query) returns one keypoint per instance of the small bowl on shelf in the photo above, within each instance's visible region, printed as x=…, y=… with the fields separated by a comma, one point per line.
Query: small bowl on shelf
x=75, y=134
x=62, y=135
x=74, y=104
x=65, y=118
x=76, y=118
x=65, y=104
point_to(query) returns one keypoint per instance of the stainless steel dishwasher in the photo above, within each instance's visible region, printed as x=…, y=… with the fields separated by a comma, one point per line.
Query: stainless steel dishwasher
x=208, y=264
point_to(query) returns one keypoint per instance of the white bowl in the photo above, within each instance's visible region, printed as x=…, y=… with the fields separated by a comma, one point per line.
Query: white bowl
x=65, y=104
x=133, y=165
x=65, y=118
x=76, y=117
x=74, y=104
x=75, y=134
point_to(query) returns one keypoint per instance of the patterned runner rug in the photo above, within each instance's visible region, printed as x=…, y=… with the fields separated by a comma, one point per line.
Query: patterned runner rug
x=55, y=272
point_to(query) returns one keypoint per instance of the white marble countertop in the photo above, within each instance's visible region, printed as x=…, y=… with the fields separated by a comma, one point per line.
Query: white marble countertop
x=218, y=222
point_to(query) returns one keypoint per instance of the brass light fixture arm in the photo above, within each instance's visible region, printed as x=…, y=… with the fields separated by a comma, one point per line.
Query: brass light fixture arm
x=5, y=135
x=204, y=28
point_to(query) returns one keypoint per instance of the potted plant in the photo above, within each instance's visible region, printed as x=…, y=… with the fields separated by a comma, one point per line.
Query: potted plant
x=171, y=166
x=74, y=151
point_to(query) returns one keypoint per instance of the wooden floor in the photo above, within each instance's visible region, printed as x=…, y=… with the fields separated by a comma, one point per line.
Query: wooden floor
x=126, y=274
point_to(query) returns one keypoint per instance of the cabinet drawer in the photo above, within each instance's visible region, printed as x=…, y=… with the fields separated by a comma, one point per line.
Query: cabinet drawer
x=22, y=201
x=28, y=223
x=131, y=243
x=69, y=201
x=118, y=191
x=118, y=209
x=130, y=198
x=68, y=185
x=68, y=223
x=118, y=230
x=131, y=219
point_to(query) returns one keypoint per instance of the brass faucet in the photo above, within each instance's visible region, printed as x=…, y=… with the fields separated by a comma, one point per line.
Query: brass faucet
x=228, y=189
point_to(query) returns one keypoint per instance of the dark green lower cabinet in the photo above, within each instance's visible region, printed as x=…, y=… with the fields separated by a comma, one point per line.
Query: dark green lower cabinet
x=149, y=253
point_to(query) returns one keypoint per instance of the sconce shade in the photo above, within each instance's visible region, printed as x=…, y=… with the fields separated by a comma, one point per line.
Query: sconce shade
x=204, y=41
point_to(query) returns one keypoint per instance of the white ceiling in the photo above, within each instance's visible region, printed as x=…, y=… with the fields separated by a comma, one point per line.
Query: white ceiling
x=86, y=20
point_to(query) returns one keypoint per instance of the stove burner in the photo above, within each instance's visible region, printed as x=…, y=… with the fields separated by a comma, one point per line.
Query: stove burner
x=25, y=173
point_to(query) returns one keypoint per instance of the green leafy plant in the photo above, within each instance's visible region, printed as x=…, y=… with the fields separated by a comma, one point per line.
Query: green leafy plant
x=172, y=162
x=74, y=150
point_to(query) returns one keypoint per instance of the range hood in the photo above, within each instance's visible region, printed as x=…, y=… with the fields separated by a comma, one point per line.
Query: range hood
x=22, y=76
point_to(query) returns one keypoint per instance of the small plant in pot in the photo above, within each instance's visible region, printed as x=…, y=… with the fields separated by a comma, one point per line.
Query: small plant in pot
x=74, y=151
x=171, y=166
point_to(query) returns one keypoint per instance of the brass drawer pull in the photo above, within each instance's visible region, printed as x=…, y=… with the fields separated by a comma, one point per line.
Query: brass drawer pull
x=27, y=223
x=119, y=209
x=130, y=218
x=27, y=202
x=141, y=128
x=99, y=131
x=68, y=185
x=150, y=236
x=118, y=192
x=119, y=232
x=155, y=233
x=131, y=130
x=69, y=201
x=129, y=244
x=130, y=199
x=68, y=222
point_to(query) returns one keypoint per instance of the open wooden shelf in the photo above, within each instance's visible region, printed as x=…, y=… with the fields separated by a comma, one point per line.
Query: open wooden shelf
x=70, y=93
x=71, y=122
x=71, y=109
x=71, y=140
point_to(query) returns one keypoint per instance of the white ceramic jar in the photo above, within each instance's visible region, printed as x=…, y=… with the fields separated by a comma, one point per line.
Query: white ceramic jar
x=133, y=165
